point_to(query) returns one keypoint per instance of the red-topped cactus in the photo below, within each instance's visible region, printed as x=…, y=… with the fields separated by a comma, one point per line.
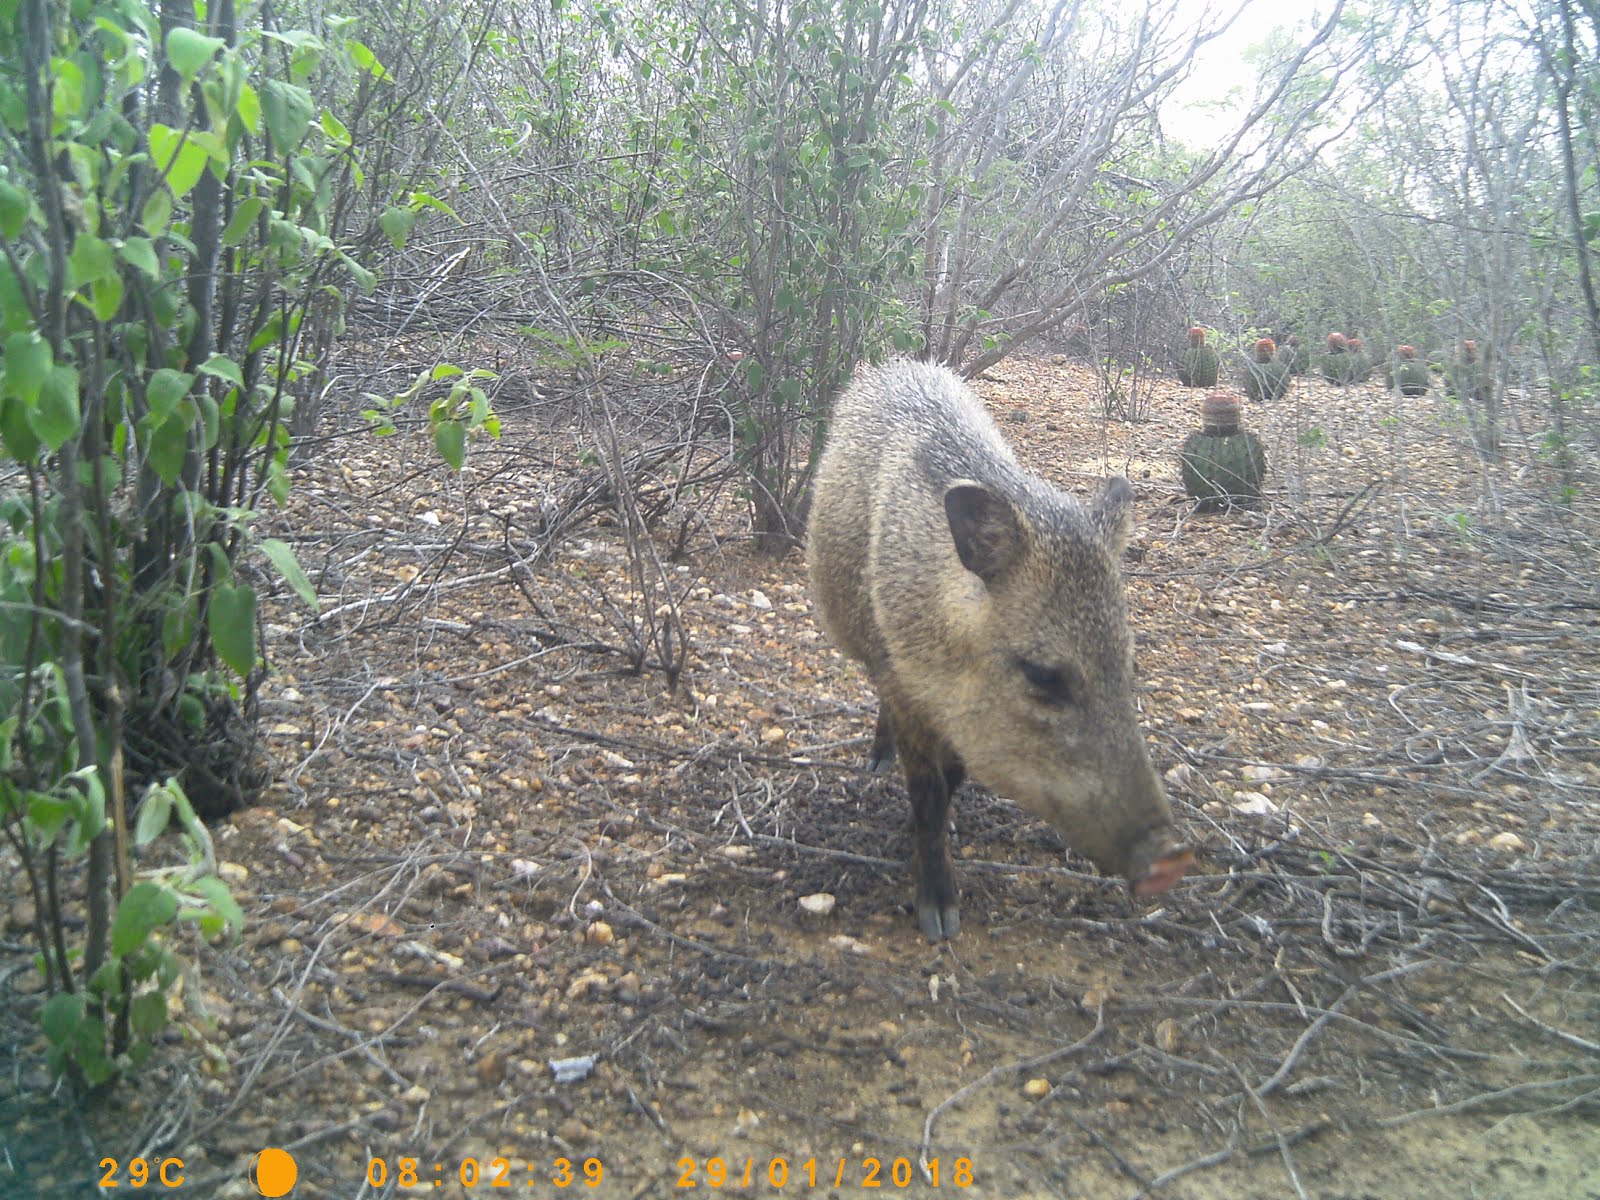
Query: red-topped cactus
x=1219, y=414
x=1467, y=377
x=1267, y=377
x=1345, y=362
x=1197, y=364
x=1411, y=375
x=1222, y=464
x=1296, y=353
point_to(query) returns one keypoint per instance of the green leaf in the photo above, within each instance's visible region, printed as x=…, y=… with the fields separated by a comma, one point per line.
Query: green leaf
x=49, y=814
x=140, y=254
x=338, y=133
x=168, y=447
x=15, y=315
x=21, y=443
x=267, y=334
x=105, y=297
x=366, y=60
x=55, y=417
x=66, y=92
x=210, y=420
x=157, y=213
x=147, y=1014
x=289, y=567
x=154, y=813
x=223, y=367
x=189, y=51
x=451, y=439
x=428, y=200
x=164, y=389
x=231, y=620
x=287, y=108
x=147, y=906
x=242, y=221
x=28, y=361
x=222, y=901
x=13, y=209
x=364, y=278
x=278, y=481
x=397, y=223
x=306, y=50
x=177, y=627
x=61, y=1015
x=181, y=159
x=249, y=108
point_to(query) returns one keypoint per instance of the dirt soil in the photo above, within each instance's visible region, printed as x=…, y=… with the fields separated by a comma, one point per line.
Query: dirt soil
x=490, y=846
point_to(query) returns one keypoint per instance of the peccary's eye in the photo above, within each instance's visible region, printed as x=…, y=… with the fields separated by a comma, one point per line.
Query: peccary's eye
x=1053, y=684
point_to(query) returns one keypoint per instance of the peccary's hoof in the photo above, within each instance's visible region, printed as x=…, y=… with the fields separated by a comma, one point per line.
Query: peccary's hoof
x=938, y=906
x=938, y=921
x=882, y=759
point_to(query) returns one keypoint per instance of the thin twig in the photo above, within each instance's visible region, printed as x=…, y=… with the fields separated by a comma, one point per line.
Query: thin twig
x=989, y=1076
x=1486, y=1098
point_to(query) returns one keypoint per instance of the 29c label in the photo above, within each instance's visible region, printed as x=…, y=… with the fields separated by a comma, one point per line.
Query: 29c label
x=141, y=1172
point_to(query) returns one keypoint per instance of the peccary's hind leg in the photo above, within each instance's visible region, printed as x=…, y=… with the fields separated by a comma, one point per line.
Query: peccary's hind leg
x=930, y=787
x=882, y=743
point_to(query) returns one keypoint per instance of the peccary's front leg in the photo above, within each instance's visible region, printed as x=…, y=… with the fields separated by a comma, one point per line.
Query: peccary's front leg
x=931, y=787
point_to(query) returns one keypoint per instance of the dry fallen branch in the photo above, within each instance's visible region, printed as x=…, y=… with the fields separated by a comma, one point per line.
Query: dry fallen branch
x=1501, y=1095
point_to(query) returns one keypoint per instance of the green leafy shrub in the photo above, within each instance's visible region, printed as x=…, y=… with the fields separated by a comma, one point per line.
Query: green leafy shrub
x=176, y=209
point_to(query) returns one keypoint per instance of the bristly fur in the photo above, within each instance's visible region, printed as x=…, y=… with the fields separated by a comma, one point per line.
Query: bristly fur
x=987, y=608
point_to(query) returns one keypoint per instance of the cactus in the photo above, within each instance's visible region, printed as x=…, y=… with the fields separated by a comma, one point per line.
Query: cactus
x=1296, y=354
x=1467, y=378
x=1222, y=464
x=1345, y=362
x=1409, y=373
x=1266, y=376
x=1360, y=360
x=1197, y=364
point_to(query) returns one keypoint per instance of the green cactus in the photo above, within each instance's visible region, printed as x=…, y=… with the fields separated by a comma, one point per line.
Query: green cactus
x=1198, y=363
x=1466, y=377
x=1409, y=373
x=1267, y=376
x=1223, y=471
x=1296, y=353
x=1222, y=465
x=1345, y=362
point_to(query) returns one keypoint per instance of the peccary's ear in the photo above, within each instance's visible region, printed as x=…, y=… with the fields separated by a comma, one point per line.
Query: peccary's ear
x=987, y=531
x=1113, y=515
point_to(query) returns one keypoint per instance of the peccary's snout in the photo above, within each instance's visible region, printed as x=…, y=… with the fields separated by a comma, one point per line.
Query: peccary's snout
x=1158, y=861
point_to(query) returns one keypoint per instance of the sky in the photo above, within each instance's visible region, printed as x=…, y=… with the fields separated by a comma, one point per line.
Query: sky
x=1221, y=66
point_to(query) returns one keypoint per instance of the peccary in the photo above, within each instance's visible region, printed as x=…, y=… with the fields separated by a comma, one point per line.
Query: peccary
x=987, y=609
